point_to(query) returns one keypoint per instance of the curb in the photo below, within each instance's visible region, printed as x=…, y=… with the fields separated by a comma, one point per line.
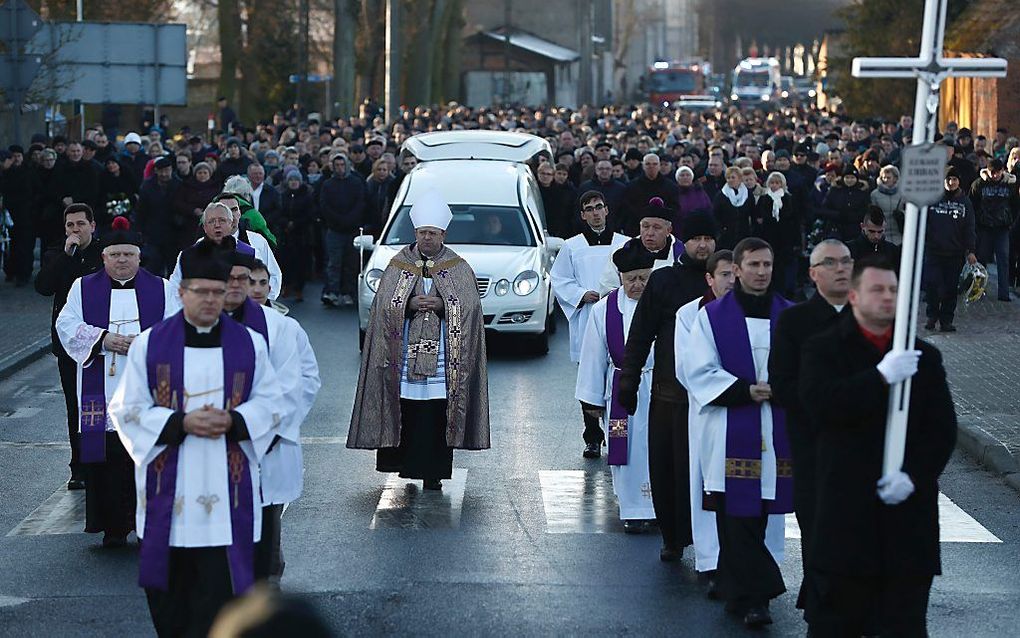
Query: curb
x=988, y=451
x=14, y=362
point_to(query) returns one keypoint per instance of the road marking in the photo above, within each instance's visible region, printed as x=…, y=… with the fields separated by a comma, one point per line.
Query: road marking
x=579, y=502
x=22, y=413
x=25, y=445
x=405, y=505
x=955, y=525
x=62, y=513
x=12, y=601
x=323, y=440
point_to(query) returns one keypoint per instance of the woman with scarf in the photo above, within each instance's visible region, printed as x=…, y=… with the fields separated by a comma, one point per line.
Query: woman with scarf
x=691, y=197
x=887, y=197
x=732, y=209
x=777, y=220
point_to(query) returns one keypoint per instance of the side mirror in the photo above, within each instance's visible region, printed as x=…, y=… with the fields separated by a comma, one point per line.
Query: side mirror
x=364, y=242
x=554, y=244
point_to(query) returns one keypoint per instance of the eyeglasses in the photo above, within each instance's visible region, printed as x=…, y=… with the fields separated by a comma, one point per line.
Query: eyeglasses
x=831, y=262
x=237, y=279
x=206, y=292
x=590, y=209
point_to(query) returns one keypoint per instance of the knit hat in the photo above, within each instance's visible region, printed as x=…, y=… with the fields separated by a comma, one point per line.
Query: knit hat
x=292, y=171
x=698, y=225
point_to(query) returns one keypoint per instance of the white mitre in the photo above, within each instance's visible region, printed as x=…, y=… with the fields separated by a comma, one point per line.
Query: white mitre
x=431, y=210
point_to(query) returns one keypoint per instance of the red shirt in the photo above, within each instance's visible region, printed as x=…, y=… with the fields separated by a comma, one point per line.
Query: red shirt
x=880, y=341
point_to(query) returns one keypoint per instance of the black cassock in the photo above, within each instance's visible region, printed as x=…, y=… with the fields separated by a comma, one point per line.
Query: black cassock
x=110, y=491
x=872, y=564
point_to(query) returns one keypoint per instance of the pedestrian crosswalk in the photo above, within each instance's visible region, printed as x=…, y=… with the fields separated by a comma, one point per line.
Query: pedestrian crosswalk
x=573, y=502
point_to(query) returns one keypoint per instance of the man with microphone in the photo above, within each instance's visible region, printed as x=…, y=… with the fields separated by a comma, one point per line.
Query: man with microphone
x=61, y=265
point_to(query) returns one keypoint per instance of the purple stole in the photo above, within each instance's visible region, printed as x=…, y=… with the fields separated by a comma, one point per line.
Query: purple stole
x=743, y=423
x=242, y=247
x=678, y=249
x=615, y=340
x=96, y=290
x=255, y=319
x=165, y=364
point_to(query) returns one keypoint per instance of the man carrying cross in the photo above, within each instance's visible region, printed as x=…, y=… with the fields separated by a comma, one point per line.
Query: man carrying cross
x=104, y=313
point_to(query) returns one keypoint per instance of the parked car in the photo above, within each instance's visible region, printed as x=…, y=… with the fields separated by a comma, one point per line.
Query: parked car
x=498, y=227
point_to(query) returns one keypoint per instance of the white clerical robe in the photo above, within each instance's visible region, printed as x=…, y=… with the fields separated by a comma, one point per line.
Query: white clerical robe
x=610, y=277
x=705, y=379
x=200, y=517
x=79, y=338
x=298, y=375
x=577, y=270
x=631, y=482
x=262, y=252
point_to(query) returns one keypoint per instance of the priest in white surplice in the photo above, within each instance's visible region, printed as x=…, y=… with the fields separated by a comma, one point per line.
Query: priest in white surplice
x=298, y=374
x=103, y=314
x=575, y=282
x=219, y=220
x=197, y=409
x=745, y=454
x=719, y=275
x=601, y=359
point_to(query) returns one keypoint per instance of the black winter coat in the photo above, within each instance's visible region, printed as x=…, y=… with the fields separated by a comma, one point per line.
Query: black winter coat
x=297, y=213
x=155, y=216
x=636, y=198
x=855, y=533
x=654, y=320
x=342, y=203
x=559, y=202
x=846, y=207
x=734, y=223
x=784, y=234
x=79, y=181
x=56, y=274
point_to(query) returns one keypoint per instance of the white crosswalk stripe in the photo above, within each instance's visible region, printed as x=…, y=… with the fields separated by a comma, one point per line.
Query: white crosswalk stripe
x=405, y=505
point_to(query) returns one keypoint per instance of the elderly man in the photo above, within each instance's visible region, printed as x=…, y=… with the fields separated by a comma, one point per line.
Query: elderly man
x=423, y=388
x=651, y=183
x=197, y=410
x=103, y=314
x=264, y=197
x=655, y=235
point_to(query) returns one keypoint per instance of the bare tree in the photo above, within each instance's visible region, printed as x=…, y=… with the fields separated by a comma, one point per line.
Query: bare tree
x=228, y=14
x=345, y=16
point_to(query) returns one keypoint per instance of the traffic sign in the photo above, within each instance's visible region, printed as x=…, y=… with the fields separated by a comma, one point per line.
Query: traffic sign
x=18, y=23
x=922, y=173
x=17, y=74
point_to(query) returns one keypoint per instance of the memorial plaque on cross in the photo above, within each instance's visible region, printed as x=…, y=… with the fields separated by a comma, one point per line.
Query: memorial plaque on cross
x=929, y=69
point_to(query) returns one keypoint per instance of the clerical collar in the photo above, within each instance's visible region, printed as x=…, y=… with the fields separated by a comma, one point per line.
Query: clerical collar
x=754, y=306
x=125, y=284
x=201, y=337
x=605, y=238
x=664, y=253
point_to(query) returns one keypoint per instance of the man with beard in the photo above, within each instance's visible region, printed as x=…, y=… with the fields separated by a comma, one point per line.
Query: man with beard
x=423, y=389
x=654, y=320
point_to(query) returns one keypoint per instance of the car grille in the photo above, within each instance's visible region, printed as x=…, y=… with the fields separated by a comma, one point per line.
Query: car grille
x=483, y=286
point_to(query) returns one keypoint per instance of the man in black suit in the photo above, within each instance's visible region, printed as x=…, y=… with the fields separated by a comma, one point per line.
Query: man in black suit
x=830, y=267
x=875, y=547
x=61, y=265
x=872, y=238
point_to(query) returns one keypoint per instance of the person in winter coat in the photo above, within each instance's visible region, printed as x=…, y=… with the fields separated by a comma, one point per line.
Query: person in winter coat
x=116, y=184
x=691, y=198
x=559, y=202
x=996, y=206
x=845, y=205
x=378, y=188
x=612, y=189
x=235, y=162
x=78, y=179
x=640, y=191
x=887, y=197
x=298, y=212
x=193, y=196
x=732, y=209
x=777, y=220
x=950, y=238
x=20, y=187
x=342, y=206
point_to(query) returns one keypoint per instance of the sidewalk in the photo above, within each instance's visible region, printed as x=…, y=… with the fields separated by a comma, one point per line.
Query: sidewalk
x=982, y=361
x=25, y=325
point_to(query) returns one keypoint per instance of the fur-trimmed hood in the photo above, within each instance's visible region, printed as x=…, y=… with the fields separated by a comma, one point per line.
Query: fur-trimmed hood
x=1007, y=177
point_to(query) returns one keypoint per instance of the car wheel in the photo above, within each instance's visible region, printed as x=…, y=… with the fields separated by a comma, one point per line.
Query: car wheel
x=538, y=344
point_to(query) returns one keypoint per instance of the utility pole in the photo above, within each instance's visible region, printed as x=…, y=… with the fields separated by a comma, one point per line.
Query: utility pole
x=302, y=86
x=584, y=93
x=508, y=10
x=392, y=60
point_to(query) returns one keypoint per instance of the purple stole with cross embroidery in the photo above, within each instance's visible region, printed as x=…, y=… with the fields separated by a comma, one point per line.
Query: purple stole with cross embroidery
x=743, y=423
x=165, y=365
x=615, y=340
x=96, y=291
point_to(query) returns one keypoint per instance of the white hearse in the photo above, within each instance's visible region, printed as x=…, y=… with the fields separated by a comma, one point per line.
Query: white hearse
x=498, y=226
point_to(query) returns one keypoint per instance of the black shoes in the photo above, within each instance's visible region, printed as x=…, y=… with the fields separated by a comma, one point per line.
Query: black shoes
x=75, y=483
x=711, y=584
x=114, y=541
x=669, y=554
x=592, y=451
x=432, y=484
x=948, y=327
x=929, y=325
x=757, y=617
x=635, y=526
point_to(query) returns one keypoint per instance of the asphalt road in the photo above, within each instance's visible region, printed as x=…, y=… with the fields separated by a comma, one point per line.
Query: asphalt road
x=523, y=541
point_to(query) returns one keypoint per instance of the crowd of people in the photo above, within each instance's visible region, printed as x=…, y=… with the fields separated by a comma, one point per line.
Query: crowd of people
x=689, y=235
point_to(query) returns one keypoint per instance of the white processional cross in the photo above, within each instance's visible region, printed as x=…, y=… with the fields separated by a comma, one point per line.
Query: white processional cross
x=929, y=68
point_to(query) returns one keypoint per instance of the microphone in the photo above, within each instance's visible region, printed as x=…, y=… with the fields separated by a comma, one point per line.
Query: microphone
x=74, y=250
